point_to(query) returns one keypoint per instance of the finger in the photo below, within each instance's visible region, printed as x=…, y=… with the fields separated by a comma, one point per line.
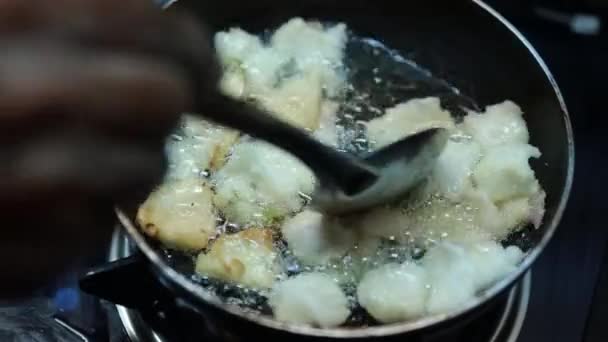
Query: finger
x=144, y=28
x=130, y=23
x=77, y=164
x=17, y=16
x=46, y=81
x=176, y=35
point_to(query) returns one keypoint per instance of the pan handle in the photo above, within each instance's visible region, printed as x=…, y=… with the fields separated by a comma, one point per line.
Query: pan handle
x=128, y=282
x=131, y=283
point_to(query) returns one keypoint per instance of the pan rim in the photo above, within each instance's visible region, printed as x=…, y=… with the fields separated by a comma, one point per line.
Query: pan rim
x=401, y=327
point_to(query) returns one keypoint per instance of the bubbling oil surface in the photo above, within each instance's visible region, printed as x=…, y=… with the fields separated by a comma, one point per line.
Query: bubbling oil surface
x=377, y=78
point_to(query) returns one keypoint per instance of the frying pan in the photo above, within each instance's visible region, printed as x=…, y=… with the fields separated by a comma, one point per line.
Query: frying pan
x=466, y=43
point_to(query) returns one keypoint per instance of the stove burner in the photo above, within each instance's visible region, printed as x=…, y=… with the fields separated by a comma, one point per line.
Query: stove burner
x=502, y=324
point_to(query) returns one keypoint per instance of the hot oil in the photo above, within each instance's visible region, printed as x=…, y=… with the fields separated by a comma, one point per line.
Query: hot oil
x=377, y=78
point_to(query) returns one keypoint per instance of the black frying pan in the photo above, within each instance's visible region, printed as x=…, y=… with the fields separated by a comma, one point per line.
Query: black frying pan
x=464, y=43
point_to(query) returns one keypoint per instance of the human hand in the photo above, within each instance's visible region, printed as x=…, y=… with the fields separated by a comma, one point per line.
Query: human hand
x=89, y=89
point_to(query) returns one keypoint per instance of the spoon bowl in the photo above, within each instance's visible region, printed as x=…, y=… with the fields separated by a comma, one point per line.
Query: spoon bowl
x=398, y=167
x=345, y=183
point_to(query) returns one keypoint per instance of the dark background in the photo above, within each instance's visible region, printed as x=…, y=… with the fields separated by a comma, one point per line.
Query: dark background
x=569, y=300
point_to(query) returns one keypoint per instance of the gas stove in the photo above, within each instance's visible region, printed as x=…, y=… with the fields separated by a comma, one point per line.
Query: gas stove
x=64, y=313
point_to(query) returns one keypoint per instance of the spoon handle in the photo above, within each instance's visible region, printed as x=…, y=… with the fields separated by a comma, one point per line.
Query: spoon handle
x=329, y=165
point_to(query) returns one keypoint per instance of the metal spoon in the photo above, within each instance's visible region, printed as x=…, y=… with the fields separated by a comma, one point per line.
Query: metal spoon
x=345, y=183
